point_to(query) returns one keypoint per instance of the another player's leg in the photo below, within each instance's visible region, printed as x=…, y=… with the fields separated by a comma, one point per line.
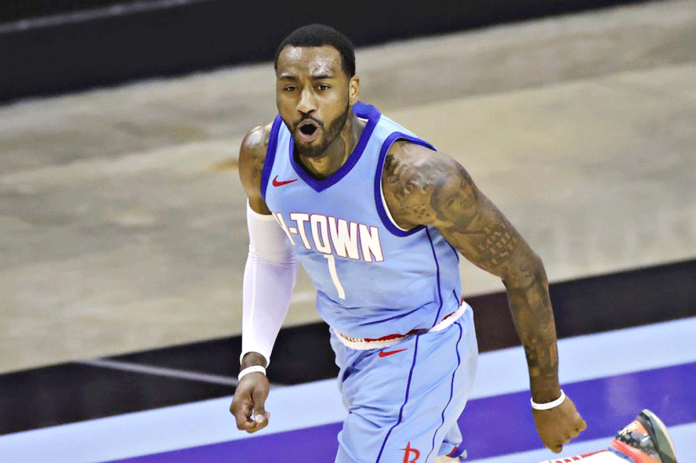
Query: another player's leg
x=644, y=440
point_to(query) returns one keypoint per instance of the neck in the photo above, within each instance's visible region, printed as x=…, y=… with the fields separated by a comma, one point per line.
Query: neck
x=337, y=152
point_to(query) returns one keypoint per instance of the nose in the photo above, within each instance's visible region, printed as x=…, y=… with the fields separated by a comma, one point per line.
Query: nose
x=307, y=102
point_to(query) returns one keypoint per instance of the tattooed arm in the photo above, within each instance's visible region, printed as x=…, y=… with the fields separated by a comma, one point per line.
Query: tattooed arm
x=432, y=189
x=252, y=156
x=423, y=187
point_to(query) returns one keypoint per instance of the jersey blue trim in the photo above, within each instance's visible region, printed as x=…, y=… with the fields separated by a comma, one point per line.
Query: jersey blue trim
x=454, y=250
x=401, y=410
x=360, y=109
x=270, y=155
x=437, y=273
x=386, y=221
x=454, y=373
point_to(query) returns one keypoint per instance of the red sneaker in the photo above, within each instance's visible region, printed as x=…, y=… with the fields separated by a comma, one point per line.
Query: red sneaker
x=645, y=440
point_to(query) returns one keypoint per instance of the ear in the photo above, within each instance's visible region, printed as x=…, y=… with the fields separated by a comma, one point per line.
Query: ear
x=354, y=90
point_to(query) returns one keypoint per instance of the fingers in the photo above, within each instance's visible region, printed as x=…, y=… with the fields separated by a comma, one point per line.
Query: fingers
x=248, y=419
x=559, y=426
x=259, y=397
x=241, y=410
x=558, y=447
x=256, y=423
x=582, y=423
x=248, y=410
x=580, y=426
x=259, y=417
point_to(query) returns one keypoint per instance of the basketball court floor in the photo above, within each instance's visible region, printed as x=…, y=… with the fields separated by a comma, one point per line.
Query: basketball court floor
x=122, y=244
x=611, y=376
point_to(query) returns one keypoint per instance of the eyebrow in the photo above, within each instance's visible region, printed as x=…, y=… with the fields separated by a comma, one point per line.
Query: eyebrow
x=314, y=77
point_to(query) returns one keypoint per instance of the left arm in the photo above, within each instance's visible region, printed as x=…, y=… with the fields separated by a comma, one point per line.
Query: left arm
x=428, y=188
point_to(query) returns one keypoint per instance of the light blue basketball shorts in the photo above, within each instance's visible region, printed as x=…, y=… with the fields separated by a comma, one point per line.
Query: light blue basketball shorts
x=404, y=401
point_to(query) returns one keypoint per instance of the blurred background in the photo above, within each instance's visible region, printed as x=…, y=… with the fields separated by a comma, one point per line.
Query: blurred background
x=122, y=230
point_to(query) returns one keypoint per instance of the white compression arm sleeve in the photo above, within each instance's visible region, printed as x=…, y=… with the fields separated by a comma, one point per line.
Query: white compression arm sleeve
x=269, y=278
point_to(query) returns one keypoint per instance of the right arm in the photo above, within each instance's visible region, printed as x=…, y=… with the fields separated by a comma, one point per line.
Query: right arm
x=252, y=155
x=270, y=264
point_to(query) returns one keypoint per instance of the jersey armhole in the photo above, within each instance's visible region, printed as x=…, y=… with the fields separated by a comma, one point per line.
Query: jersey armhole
x=380, y=200
x=271, y=150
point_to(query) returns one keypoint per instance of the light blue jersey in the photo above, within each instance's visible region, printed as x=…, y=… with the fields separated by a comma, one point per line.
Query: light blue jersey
x=373, y=278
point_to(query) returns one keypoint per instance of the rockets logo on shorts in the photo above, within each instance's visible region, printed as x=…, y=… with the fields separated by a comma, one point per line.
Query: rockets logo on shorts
x=330, y=235
x=410, y=455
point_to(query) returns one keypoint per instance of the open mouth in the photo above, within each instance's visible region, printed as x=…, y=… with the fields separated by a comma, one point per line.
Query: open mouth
x=308, y=130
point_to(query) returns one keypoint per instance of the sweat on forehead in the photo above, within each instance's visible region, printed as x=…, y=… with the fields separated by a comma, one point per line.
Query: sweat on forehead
x=325, y=59
x=319, y=35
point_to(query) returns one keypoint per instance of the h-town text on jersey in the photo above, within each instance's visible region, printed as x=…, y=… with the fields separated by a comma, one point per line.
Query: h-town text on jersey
x=330, y=235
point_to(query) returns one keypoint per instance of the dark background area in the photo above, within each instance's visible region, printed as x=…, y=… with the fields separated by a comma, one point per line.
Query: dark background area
x=13, y=10
x=47, y=48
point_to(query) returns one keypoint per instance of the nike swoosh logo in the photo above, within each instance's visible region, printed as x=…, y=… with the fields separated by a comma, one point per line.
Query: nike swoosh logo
x=384, y=353
x=284, y=182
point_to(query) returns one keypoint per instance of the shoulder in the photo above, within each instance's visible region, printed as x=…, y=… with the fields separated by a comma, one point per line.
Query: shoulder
x=408, y=164
x=254, y=145
x=418, y=181
x=252, y=155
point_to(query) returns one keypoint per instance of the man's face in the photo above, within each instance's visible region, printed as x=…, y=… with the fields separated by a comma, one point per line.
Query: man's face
x=314, y=96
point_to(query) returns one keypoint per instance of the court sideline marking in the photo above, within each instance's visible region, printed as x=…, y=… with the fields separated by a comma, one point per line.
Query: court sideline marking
x=162, y=371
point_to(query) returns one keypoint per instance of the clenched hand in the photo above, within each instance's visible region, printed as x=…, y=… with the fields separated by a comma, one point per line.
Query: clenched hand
x=249, y=399
x=559, y=425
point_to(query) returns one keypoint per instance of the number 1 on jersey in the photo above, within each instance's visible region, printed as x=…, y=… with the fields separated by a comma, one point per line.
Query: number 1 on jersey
x=334, y=275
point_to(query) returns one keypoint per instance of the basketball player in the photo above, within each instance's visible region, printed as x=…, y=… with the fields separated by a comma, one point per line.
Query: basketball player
x=378, y=218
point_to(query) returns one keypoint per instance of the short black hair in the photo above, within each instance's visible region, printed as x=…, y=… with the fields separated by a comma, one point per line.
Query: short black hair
x=318, y=35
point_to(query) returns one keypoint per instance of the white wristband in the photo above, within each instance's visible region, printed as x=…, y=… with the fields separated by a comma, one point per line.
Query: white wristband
x=549, y=405
x=254, y=369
